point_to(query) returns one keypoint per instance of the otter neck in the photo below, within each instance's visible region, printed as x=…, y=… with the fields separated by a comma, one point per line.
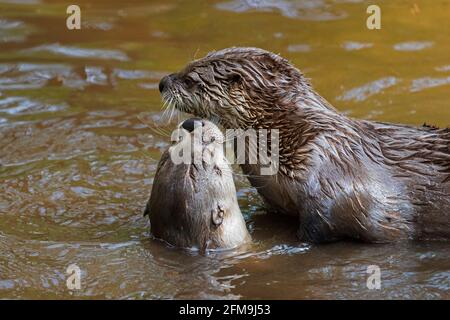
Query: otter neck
x=304, y=122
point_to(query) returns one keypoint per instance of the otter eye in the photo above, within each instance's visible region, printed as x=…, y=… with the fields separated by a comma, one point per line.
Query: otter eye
x=189, y=82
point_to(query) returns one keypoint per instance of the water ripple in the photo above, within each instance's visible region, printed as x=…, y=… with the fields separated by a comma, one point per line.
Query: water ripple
x=77, y=52
x=369, y=89
x=443, y=68
x=13, y=31
x=428, y=82
x=313, y=10
x=299, y=48
x=413, y=45
x=138, y=74
x=353, y=45
x=21, y=106
x=24, y=76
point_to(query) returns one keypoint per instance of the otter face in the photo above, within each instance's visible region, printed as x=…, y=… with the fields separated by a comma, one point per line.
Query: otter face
x=194, y=205
x=197, y=141
x=234, y=87
x=210, y=133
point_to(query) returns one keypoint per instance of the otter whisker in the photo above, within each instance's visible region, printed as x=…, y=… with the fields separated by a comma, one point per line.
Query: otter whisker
x=171, y=112
x=157, y=130
x=147, y=155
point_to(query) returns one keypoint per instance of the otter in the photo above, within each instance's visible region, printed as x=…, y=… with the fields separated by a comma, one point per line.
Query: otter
x=343, y=178
x=193, y=204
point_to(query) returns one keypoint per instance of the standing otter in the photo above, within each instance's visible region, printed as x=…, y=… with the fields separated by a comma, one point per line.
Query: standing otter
x=343, y=177
x=193, y=203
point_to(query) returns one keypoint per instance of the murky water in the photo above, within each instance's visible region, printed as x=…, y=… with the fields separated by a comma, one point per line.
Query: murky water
x=79, y=143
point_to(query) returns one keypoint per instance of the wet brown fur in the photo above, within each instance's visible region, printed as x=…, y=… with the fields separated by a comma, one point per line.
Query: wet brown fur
x=194, y=205
x=343, y=177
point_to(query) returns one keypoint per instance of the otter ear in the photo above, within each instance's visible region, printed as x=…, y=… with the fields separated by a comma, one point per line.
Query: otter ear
x=235, y=78
x=217, y=215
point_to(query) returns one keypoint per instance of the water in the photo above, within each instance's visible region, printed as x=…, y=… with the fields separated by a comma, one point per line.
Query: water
x=80, y=141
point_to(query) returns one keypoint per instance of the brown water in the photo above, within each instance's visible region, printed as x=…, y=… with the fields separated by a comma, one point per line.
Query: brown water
x=78, y=155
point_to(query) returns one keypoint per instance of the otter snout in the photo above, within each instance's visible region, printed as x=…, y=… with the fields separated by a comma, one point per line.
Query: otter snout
x=191, y=124
x=165, y=82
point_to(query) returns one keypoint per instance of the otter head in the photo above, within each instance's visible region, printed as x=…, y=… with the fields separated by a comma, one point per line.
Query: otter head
x=236, y=87
x=197, y=141
x=193, y=202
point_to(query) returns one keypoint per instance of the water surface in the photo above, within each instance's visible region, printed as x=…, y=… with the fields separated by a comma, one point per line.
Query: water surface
x=80, y=141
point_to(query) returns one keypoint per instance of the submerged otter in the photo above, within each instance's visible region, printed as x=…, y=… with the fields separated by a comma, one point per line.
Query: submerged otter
x=343, y=177
x=193, y=202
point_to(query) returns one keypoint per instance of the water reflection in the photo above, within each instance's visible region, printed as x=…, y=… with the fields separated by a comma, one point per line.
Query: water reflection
x=76, y=52
x=428, y=82
x=443, y=68
x=369, y=89
x=305, y=10
x=25, y=76
x=353, y=45
x=21, y=106
x=299, y=48
x=13, y=31
x=413, y=46
x=82, y=130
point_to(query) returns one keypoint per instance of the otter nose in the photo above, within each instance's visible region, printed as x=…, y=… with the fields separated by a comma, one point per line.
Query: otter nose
x=165, y=81
x=190, y=124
